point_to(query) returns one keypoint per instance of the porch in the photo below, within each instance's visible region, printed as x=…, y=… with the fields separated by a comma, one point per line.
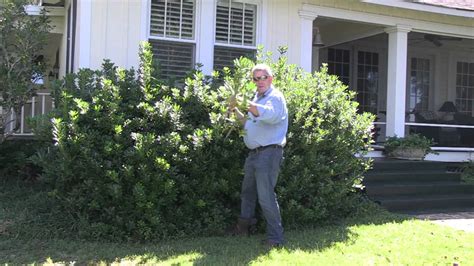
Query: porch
x=40, y=104
x=51, y=56
x=415, y=77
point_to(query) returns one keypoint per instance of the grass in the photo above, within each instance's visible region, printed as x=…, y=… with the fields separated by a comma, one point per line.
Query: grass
x=31, y=233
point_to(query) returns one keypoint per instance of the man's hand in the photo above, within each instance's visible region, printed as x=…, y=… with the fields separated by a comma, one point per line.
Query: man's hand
x=253, y=109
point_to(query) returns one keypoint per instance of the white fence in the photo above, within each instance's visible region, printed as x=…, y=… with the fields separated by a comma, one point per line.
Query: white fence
x=40, y=104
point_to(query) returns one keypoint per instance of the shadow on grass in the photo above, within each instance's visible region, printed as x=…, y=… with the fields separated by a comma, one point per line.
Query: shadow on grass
x=26, y=236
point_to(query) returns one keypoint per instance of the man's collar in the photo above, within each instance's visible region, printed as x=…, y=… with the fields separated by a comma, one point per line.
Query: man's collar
x=265, y=93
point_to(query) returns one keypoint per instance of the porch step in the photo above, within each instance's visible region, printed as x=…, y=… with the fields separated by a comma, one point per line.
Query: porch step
x=419, y=188
x=395, y=164
x=408, y=175
x=415, y=186
x=428, y=202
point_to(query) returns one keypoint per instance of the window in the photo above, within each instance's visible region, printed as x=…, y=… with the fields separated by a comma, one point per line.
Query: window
x=175, y=59
x=235, y=31
x=224, y=56
x=465, y=87
x=367, y=81
x=339, y=64
x=172, y=36
x=419, y=84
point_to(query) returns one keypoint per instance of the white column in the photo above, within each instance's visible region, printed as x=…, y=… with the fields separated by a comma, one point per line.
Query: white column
x=205, y=36
x=396, y=79
x=306, y=57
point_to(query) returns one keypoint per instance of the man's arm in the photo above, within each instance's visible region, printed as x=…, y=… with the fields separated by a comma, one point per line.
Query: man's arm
x=272, y=111
x=253, y=109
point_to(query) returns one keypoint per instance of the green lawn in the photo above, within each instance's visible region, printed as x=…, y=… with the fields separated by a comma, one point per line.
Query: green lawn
x=31, y=233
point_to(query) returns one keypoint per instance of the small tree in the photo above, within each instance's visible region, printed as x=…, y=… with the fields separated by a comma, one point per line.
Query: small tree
x=22, y=37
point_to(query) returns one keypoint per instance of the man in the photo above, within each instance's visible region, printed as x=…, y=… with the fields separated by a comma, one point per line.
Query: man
x=265, y=127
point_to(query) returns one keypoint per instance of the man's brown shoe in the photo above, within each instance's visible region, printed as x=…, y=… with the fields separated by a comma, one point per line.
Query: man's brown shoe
x=243, y=227
x=269, y=244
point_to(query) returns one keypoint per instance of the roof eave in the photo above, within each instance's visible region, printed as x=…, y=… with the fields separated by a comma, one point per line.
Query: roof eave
x=423, y=8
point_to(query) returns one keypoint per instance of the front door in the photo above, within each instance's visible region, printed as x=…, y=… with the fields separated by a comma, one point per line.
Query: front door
x=359, y=69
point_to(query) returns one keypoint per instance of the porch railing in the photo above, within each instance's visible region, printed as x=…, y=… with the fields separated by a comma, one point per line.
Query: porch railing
x=446, y=135
x=40, y=104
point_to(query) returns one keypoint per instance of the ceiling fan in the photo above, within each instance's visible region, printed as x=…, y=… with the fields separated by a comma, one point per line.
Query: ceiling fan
x=436, y=39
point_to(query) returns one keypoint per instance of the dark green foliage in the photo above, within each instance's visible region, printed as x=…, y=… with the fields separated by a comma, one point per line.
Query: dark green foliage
x=133, y=158
x=468, y=173
x=15, y=162
x=325, y=134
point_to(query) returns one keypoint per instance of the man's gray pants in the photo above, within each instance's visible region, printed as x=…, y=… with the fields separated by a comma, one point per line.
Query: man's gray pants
x=261, y=174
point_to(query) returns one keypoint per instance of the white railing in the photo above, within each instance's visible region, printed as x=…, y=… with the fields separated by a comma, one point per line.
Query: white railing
x=438, y=125
x=451, y=132
x=38, y=105
x=452, y=136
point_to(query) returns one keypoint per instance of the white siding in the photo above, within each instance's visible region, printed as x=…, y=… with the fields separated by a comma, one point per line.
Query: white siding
x=282, y=27
x=118, y=26
x=115, y=32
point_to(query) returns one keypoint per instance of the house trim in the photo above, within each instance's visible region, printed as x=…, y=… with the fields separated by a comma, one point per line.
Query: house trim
x=262, y=23
x=306, y=24
x=85, y=10
x=144, y=22
x=423, y=7
x=205, y=34
x=387, y=21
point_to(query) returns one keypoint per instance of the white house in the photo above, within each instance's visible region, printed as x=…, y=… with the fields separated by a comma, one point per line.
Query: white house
x=410, y=61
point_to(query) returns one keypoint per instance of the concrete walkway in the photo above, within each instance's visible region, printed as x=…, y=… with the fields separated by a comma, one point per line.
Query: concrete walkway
x=463, y=220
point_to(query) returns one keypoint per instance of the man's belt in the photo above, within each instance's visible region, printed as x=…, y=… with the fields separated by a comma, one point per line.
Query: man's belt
x=261, y=148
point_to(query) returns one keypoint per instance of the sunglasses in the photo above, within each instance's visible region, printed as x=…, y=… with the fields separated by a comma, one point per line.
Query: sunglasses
x=260, y=78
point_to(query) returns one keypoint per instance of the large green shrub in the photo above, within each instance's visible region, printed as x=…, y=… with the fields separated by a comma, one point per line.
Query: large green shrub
x=134, y=158
x=326, y=132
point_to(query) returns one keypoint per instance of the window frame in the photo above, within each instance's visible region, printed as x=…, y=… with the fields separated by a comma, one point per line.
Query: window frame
x=469, y=88
x=431, y=88
x=194, y=40
x=452, y=73
x=258, y=14
x=205, y=54
x=361, y=67
x=257, y=30
x=164, y=38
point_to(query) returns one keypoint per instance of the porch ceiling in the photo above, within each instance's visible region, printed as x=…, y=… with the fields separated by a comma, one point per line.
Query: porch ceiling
x=382, y=21
x=440, y=41
x=336, y=31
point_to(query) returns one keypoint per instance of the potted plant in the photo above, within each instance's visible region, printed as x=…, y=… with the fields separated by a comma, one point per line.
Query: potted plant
x=410, y=147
